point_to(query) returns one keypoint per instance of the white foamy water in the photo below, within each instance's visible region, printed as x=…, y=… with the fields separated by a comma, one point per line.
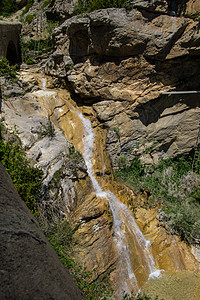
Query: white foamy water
x=44, y=82
x=124, y=225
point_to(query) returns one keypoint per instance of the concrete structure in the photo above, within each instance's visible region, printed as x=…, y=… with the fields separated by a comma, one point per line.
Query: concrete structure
x=9, y=41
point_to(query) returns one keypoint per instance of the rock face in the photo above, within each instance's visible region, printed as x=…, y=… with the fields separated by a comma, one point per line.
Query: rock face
x=122, y=62
x=30, y=269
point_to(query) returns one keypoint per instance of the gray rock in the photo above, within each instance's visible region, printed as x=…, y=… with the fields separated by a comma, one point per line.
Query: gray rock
x=12, y=91
x=30, y=269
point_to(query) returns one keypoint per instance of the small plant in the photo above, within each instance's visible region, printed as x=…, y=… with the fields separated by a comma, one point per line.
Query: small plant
x=117, y=131
x=33, y=49
x=75, y=154
x=51, y=25
x=29, y=61
x=46, y=3
x=29, y=18
x=47, y=130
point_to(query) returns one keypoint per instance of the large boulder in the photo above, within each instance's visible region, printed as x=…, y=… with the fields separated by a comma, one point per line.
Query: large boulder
x=30, y=269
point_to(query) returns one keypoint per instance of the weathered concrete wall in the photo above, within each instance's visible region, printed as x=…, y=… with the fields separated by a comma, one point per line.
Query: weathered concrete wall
x=9, y=41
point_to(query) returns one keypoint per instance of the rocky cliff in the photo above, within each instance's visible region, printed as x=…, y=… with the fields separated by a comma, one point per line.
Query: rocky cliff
x=125, y=72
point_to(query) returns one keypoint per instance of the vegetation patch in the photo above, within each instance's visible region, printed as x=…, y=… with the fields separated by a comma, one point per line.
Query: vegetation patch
x=33, y=49
x=29, y=18
x=6, y=70
x=173, y=185
x=27, y=179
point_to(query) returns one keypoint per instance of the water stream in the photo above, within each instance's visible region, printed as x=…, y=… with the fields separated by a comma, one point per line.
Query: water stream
x=124, y=225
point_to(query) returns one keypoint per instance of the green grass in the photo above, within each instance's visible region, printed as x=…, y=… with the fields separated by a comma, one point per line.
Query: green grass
x=174, y=186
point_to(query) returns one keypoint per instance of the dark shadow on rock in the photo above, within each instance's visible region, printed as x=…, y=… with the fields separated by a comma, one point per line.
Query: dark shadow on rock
x=151, y=111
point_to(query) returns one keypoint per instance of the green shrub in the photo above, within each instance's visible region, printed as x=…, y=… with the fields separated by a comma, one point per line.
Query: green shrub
x=6, y=70
x=29, y=61
x=27, y=179
x=8, y=7
x=29, y=18
x=47, y=130
x=32, y=49
x=46, y=3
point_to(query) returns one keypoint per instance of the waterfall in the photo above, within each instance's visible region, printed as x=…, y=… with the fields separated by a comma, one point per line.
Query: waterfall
x=124, y=225
x=44, y=82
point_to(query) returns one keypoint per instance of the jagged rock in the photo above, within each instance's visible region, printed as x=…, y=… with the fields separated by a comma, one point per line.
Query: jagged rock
x=30, y=269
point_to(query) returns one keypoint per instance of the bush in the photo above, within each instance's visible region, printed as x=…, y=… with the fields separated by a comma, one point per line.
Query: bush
x=27, y=179
x=32, y=49
x=8, y=7
x=46, y=3
x=6, y=70
x=29, y=18
x=47, y=130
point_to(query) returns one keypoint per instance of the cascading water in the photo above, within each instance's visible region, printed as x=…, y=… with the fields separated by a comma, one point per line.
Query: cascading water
x=44, y=82
x=124, y=225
